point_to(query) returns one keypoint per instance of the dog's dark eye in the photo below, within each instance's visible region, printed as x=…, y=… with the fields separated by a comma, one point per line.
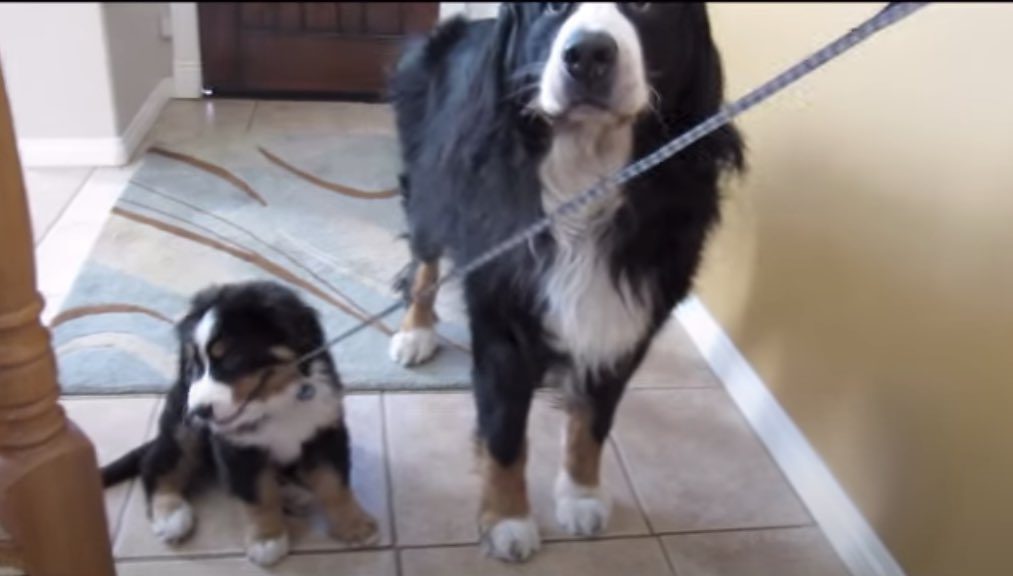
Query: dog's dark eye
x=218, y=349
x=555, y=7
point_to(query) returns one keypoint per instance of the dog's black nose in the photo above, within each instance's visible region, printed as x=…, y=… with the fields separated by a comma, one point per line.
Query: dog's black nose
x=202, y=413
x=590, y=58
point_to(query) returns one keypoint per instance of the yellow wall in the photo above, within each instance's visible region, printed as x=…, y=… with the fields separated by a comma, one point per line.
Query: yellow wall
x=865, y=266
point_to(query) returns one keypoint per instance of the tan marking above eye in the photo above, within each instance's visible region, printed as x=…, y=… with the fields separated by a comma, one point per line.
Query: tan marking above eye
x=282, y=353
x=218, y=349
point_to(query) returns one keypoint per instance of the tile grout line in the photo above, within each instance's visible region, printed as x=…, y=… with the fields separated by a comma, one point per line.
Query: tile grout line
x=122, y=515
x=391, y=517
x=215, y=555
x=629, y=480
x=669, y=561
x=253, y=113
x=63, y=209
x=663, y=387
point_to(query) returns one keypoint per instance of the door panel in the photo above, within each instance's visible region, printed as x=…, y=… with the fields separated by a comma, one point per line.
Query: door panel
x=308, y=48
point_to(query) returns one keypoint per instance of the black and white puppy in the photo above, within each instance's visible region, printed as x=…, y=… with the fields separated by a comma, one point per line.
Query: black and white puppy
x=242, y=412
x=502, y=120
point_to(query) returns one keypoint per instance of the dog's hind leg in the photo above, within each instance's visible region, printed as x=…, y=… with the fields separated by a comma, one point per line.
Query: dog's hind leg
x=346, y=519
x=416, y=341
x=326, y=470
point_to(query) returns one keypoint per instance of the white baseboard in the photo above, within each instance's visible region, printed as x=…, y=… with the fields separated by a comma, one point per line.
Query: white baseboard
x=188, y=79
x=108, y=151
x=849, y=533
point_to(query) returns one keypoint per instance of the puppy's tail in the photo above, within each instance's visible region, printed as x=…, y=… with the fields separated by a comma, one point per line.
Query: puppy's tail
x=125, y=467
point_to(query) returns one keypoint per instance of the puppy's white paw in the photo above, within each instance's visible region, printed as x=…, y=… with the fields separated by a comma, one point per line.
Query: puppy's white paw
x=512, y=539
x=269, y=551
x=414, y=346
x=173, y=525
x=581, y=510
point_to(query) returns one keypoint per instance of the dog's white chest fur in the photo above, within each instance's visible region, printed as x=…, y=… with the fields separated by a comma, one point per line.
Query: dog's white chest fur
x=593, y=317
x=291, y=421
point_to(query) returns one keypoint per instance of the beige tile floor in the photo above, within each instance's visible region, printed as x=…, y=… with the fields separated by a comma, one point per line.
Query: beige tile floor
x=695, y=492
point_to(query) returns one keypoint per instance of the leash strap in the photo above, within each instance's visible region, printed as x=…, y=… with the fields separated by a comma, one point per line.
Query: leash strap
x=891, y=14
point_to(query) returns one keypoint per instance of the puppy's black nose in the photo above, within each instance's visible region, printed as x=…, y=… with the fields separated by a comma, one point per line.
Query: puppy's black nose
x=590, y=58
x=202, y=413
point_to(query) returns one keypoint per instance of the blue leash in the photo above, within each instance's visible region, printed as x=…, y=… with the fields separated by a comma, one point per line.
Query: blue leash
x=891, y=14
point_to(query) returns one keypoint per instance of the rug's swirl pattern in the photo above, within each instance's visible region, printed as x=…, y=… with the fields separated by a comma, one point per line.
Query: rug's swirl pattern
x=319, y=214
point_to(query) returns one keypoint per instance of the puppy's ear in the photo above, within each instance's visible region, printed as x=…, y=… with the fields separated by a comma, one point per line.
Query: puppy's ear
x=200, y=303
x=188, y=362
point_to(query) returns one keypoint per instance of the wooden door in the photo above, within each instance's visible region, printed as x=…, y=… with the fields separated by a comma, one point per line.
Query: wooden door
x=308, y=48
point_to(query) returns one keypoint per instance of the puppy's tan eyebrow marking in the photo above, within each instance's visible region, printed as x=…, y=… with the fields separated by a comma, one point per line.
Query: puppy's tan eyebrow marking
x=218, y=349
x=282, y=352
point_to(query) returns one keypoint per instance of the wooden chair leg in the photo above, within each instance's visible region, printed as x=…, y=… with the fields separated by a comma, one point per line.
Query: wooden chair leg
x=50, y=491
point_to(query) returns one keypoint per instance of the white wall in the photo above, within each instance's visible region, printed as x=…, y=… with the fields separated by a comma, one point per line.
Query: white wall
x=55, y=66
x=139, y=57
x=85, y=80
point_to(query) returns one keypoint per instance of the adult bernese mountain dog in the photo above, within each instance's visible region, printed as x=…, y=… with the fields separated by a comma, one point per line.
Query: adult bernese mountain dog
x=243, y=412
x=499, y=122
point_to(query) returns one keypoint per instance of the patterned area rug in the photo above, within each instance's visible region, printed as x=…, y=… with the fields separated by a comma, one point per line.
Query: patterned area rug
x=315, y=209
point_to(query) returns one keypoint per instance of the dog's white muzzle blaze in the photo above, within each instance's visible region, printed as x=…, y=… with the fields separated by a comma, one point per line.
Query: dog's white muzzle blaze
x=209, y=399
x=595, y=61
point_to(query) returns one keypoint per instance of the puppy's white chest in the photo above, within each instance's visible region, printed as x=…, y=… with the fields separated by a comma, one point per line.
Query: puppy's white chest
x=291, y=422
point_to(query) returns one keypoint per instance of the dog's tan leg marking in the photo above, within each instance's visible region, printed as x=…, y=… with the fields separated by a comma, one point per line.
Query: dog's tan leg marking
x=266, y=537
x=507, y=530
x=172, y=517
x=345, y=517
x=582, y=506
x=416, y=341
x=504, y=489
x=422, y=313
x=583, y=452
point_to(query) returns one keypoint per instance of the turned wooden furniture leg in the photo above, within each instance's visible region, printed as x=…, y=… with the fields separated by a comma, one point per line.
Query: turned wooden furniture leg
x=50, y=491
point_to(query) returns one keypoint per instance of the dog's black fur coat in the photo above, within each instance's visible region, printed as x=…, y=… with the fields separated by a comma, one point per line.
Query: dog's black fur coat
x=471, y=153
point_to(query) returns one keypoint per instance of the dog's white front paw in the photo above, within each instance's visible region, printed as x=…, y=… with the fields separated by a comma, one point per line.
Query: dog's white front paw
x=415, y=346
x=512, y=539
x=174, y=524
x=581, y=510
x=269, y=551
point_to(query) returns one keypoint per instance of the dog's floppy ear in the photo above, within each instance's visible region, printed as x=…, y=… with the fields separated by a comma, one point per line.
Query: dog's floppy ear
x=488, y=87
x=199, y=305
x=504, y=43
